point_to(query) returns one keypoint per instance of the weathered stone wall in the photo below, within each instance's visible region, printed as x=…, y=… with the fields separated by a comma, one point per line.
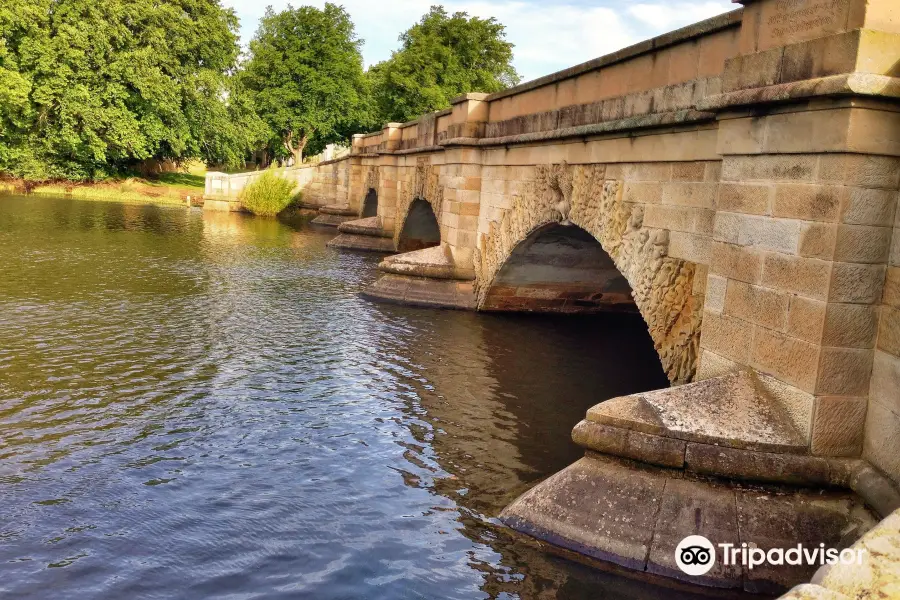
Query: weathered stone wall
x=882, y=440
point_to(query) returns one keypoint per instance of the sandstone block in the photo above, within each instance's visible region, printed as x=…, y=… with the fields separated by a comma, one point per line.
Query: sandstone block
x=895, y=247
x=741, y=198
x=752, y=70
x=770, y=168
x=693, y=508
x=860, y=170
x=817, y=240
x=735, y=262
x=865, y=206
x=713, y=365
x=856, y=283
x=850, y=326
x=643, y=193
x=689, y=246
x=741, y=136
x=889, y=331
x=679, y=218
x=830, y=55
x=806, y=276
x=688, y=171
x=788, y=359
x=886, y=381
x=700, y=195
x=882, y=442
x=727, y=337
x=716, y=287
x=838, y=425
x=806, y=319
x=807, y=202
x=863, y=244
x=892, y=287
x=815, y=131
x=844, y=372
x=756, y=304
x=749, y=465
x=625, y=443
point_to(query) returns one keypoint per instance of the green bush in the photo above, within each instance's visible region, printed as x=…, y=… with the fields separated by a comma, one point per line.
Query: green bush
x=268, y=195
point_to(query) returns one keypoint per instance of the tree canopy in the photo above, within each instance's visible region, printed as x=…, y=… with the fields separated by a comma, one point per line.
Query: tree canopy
x=305, y=74
x=441, y=57
x=88, y=88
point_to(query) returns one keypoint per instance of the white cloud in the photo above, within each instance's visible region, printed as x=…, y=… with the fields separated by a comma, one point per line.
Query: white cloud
x=549, y=36
x=665, y=17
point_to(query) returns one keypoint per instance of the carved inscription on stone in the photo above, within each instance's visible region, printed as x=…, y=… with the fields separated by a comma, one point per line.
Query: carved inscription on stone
x=790, y=21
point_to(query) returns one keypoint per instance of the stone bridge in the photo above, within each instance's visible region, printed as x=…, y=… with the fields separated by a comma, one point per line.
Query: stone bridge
x=735, y=183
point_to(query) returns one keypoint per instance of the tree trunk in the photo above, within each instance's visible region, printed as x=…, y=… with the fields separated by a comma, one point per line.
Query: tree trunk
x=295, y=150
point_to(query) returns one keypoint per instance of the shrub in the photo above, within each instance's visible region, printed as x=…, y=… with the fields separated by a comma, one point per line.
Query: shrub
x=268, y=195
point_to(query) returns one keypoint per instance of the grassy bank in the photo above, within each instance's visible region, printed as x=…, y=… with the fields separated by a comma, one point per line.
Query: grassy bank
x=167, y=188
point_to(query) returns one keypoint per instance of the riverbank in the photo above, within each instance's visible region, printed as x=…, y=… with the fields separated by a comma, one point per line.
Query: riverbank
x=167, y=188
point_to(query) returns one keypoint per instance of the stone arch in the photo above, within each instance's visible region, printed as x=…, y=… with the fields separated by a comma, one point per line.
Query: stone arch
x=420, y=228
x=662, y=286
x=370, y=204
x=425, y=187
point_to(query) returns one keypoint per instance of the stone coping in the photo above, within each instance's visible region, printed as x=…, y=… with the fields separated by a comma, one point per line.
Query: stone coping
x=852, y=84
x=680, y=117
x=634, y=516
x=719, y=22
x=733, y=410
x=371, y=226
x=649, y=121
x=436, y=262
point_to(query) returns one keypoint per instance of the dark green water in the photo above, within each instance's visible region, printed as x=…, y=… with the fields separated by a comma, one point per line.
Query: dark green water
x=200, y=405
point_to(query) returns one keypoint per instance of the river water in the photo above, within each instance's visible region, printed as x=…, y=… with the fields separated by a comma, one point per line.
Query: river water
x=200, y=405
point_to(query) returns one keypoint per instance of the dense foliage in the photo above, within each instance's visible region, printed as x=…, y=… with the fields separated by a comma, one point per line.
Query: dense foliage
x=305, y=75
x=267, y=195
x=89, y=88
x=441, y=57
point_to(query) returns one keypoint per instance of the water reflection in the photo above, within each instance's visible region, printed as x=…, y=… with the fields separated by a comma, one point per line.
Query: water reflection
x=199, y=404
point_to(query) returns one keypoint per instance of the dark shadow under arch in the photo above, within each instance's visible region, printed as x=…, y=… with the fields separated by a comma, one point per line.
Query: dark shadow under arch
x=559, y=269
x=421, y=229
x=370, y=204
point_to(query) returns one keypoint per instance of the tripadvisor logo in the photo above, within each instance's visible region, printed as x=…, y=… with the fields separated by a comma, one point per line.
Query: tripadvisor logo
x=695, y=555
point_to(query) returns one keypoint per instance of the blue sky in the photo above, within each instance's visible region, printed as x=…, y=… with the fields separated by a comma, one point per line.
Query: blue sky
x=549, y=35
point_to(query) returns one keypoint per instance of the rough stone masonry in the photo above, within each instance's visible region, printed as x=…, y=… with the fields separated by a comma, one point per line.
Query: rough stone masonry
x=736, y=183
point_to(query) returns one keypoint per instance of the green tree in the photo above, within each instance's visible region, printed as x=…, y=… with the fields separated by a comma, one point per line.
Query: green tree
x=90, y=88
x=441, y=57
x=305, y=73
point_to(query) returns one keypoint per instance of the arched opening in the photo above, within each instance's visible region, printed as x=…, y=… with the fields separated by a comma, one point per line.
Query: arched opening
x=370, y=204
x=559, y=269
x=421, y=229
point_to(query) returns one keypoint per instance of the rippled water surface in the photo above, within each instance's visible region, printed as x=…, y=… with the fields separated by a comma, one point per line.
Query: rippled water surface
x=200, y=405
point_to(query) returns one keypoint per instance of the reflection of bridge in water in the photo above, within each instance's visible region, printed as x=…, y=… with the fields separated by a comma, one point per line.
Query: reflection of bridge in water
x=735, y=183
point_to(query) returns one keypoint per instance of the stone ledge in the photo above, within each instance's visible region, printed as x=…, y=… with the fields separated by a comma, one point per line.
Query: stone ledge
x=330, y=220
x=732, y=411
x=422, y=291
x=634, y=516
x=365, y=243
x=854, y=84
x=341, y=210
x=370, y=226
x=436, y=262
